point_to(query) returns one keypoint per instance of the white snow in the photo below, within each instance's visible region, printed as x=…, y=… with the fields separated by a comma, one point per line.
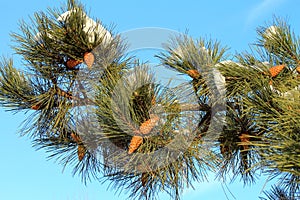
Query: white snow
x=91, y=28
x=271, y=31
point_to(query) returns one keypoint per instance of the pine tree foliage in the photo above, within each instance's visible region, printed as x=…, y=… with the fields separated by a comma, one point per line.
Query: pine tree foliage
x=103, y=113
x=271, y=101
x=277, y=193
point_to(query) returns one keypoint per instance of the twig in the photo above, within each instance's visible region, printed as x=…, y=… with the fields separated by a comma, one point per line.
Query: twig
x=65, y=94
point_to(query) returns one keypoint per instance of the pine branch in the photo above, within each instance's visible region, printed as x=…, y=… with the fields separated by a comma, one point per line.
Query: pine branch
x=134, y=117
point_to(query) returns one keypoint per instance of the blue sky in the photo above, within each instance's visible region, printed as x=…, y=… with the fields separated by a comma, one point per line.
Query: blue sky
x=27, y=174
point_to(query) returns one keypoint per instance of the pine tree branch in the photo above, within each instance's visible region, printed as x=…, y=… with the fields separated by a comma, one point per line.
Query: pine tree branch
x=65, y=94
x=79, y=101
x=194, y=107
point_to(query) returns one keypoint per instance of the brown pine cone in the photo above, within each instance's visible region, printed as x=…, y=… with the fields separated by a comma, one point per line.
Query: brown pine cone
x=135, y=142
x=89, y=59
x=276, y=70
x=148, y=125
x=81, y=152
x=193, y=73
x=71, y=63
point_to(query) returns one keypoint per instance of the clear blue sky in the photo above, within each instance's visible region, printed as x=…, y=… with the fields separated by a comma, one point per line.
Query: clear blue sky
x=26, y=174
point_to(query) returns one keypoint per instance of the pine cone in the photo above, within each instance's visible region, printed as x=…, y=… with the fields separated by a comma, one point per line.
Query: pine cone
x=71, y=63
x=36, y=106
x=76, y=138
x=135, y=142
x=89, y=59
x=276, y=70
x=81, y=152
x=148, y=125
x=80, y=149
x=193, y=73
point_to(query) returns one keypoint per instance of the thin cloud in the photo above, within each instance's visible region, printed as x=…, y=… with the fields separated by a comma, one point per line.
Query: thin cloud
x=260, y=9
